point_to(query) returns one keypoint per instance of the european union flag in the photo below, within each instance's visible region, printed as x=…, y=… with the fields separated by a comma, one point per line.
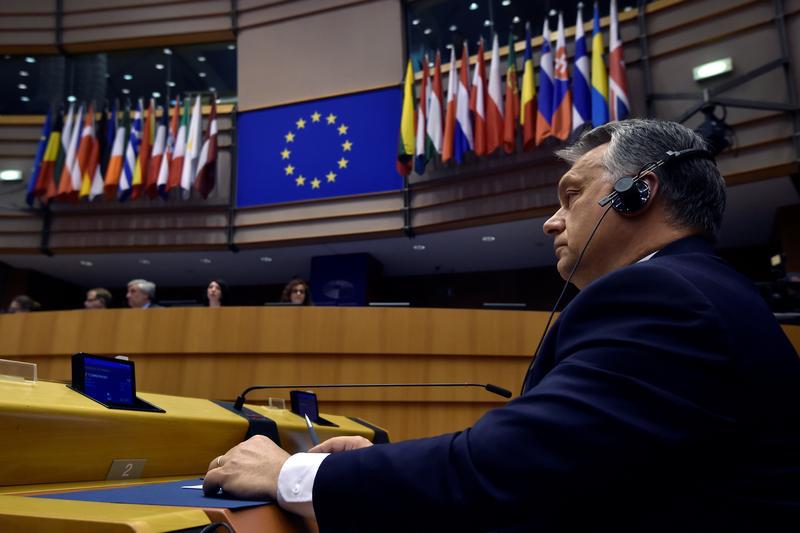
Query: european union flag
x=336, y=146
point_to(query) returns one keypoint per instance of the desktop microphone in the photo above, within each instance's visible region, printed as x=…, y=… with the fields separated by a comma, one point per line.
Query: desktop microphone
x=500, y=391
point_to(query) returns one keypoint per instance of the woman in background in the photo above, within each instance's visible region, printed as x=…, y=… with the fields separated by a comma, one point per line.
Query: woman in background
x=297, y=292
x=217, y=293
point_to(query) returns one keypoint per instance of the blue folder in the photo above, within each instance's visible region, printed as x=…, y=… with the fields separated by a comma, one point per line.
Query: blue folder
x=169, y=493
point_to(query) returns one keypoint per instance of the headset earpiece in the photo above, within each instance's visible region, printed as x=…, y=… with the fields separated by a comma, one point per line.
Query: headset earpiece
x=631, y=195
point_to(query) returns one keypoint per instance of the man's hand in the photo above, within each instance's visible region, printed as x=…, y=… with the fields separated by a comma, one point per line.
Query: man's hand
x=248, y=471
x=340, y=444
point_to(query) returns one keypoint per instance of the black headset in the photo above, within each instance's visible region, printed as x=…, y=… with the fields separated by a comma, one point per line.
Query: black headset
x=631, y=193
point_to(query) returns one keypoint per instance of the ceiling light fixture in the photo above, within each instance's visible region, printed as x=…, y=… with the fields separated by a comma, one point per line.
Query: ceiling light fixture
x=159, y=66
x=473, y=6
x=418, y=247
x=488, y=238
x=144, y=261
x=71, y=98
x=24, y=98
x=11, y=174
x=23, y=73
x=22, y=86
x=201, y=74
x=127, y=77
x=167, y=51
x=30, y=59
x=86, y=263
x=201, y=58
x=205, y=261
x=265, y=259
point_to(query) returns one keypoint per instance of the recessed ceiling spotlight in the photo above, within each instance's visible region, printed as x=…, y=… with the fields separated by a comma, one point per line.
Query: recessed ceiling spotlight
x=473, y=6
x=30, y=59
x=553, y=13
x=124, y=91
x=515, y=20
x=212, y=89
x=144, y=261
x=427, y=31
x=86, y=263
x=265, y=259
x=487, y=23
x=488, y=238
x=418, y=247
x=201, y=74
x=71, y=98
x=167, y=51
x=10, y=174
x=415, y=22
x=201, y=58
x=22, y=86
x=231, y=47
x=170, y=84
x=156, y=94
x=205, y=261
x=24, y=98
x=127, y=77
x=23, y=73
x=159, y=66
x=505, y=3
x=453, y=27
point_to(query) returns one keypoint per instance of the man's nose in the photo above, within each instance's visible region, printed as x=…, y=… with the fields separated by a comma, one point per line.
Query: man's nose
x=554, y=225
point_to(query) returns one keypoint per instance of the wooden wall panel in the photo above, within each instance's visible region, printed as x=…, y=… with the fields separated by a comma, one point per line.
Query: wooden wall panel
x=216, y=353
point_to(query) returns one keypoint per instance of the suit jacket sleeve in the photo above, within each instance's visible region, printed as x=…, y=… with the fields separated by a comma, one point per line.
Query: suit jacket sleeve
x=632, y=358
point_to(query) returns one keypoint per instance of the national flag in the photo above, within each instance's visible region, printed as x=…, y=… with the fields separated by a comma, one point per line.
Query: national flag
x=420, y=154
x=154, y=166
x=193, y=141
x=107, y=144
x=599, y=76
x=544, y=115
x=562, y=98
x=176, y=164
x=618, y=106
x=462, y=141
x=207, y=162
x=131, y=156
x=433, y=130
x=45, y=188
x=405, y=145
x=143, y=155
x=511, y=113
x=582, y=96
x=169, y=149
x=494, y=104
x=115, y=160
x=450, y=111
x=70, y=183
x=528, y=105
x=37, y=162
x=89, y=158
x=477, y=102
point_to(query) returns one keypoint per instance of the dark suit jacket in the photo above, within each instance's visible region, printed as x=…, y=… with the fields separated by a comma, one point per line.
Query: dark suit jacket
x=665, y=398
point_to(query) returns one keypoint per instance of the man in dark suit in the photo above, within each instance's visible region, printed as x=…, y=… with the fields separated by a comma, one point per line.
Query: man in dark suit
x=664, y=398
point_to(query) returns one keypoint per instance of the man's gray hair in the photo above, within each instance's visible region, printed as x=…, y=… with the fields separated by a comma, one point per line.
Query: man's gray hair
x=693, y=188
x=147, y=287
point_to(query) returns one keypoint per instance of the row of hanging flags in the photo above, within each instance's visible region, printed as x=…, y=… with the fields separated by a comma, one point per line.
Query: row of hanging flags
x=126, y=155
x=475, y=117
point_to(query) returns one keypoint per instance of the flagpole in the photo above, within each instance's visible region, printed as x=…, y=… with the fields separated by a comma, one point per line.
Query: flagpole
x=407, y=229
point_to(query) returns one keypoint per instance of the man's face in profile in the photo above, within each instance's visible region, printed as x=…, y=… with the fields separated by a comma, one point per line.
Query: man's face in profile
x=93, y=302
x=136, y=297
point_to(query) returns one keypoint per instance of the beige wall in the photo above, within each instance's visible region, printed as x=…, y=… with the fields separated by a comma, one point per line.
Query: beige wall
x=346, y=49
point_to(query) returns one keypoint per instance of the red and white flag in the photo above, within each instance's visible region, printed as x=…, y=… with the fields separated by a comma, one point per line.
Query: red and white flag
x=494, y=104
x=207, y=163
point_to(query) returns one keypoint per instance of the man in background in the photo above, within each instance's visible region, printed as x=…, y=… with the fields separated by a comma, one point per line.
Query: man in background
x=98, y=298
x=141, y=294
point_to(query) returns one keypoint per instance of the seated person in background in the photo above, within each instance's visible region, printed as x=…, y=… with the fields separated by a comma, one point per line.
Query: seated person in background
x=297, y=292
x=23, y=304
x=217, y=293
x=663, y=399
x=98, y=298
x=141, y=294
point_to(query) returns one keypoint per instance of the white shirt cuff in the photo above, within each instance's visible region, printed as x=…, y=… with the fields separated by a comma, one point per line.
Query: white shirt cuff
x=296, y=482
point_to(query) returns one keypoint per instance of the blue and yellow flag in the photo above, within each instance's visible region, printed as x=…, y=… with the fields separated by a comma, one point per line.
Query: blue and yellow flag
x=599, y=75
x=336, y=146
